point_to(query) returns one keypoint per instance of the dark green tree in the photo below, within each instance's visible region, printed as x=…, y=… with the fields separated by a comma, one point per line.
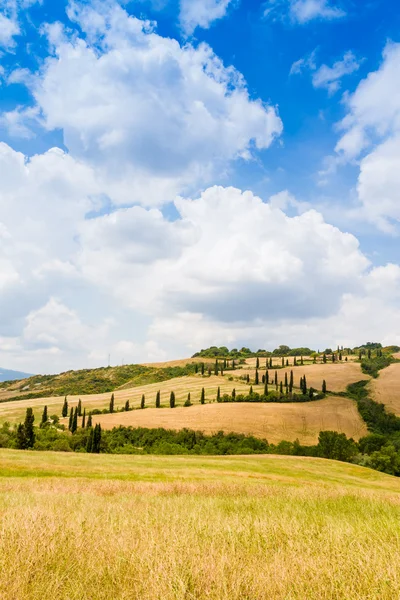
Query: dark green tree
x=96, y=439
x=301, y=360
x=172, y=400
x=89, y=421
x=71, y=418
x=283, y=362
x=112, y=403
x=276, y=378
x=188, y=401
x=256, y=380
x=75, y=420
x=202, y=368
x=257, y=363
x=196, y=368
x=65, y=408
x=79, y=408
x=203, y=396
x=324, y=358
x=251, y=390
x=281, y=387
x=28, y=428
x=266, y=388
x=127, y=406
x=218, y=394
x=291, y=382
x=158, y=399
x=44, y=417
x=286, y=380
x=233, y=394
x=248, y=378
x=267, y=376
x=216, y=367
x=143, y=401
x=84, y=418
x=324, y=387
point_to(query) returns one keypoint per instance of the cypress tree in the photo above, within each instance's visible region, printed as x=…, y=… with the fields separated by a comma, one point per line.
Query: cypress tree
x=266, y=363
x=216, y=367
x=251, y=390
x=266, y=389
x=44, y=417
x=257, y=363
x=340, y=356
x=281, y=387
x=202, y=368
x=96, y=439
x=79, y=408
x=287, y=362
x=127, y=406
x=233, y=394
x=196, y=368
x=333, y=357
x=304, y=385
x=276, y=378
x=286, y=380
x=89, y=443
x=112, y=403
x=263, y=379
x=233, y=364
x=283, y=362
x=75, y=421
x=324, y=358
x=248, y=378
x=359, y=355
x=65, y=408
x=256, y=381
x=291, y=382
x=84, y=418
x=203, y=396
x=172, y=400
x=324, y=387
x=89, y=421
x=28, y=428
x=21, y=437
x=301, y=360
x=222, y=372
x=311, y=393
x=267, y=376
x=294, y=362
x=224, y=363
x=158, y=399
x=71, y=418
x=143, y=401
x=218, y=394
x=209, y=371
x=270, y=363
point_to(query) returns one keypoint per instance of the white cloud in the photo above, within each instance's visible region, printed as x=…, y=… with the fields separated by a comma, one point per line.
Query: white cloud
x=330, y=77
x=201, y=13
x=154, y=118
x=8, y=29
x=303, y=11
x=371, y=134
x=324, y=76
x=9, y=20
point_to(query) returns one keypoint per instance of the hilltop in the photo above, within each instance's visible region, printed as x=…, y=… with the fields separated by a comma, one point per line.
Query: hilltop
x=9, y=375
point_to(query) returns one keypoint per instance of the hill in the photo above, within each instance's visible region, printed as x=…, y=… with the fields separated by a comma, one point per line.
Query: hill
x=8, y=375
x=174, y=528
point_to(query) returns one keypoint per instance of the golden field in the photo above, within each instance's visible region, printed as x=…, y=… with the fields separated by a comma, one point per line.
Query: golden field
x=386, y=388
x=84, y=527
x=274, y=422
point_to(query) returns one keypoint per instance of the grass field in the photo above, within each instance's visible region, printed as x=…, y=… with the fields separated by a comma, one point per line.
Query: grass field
x=171, y=528
x=14, y=411
x=274, y=422
x=386, y=388
x=337, y=375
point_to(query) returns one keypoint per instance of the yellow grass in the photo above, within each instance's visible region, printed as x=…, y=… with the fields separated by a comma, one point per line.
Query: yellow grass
x=386, y=388
x=230, y=528
x=14, y=411
x=274, y=422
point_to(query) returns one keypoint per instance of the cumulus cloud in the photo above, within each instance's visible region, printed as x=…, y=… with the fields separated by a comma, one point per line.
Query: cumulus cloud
x=371, y=134
x=9, y=20
x=202, y=13
x=154, y=118
x=303, y=11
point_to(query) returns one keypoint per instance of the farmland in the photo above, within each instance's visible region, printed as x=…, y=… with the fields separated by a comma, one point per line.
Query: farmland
x=173, y=528
x=274, y=422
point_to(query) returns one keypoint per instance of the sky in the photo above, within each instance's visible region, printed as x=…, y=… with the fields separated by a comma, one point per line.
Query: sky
x=176, y=174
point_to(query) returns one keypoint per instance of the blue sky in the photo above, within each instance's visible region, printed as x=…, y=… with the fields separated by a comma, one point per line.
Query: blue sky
x=175, y=174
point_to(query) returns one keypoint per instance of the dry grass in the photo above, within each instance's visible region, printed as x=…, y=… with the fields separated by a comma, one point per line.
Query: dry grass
x=386, y=388
x=14, y=411
x=337, y=375
x=274, y=422
x=230, y=528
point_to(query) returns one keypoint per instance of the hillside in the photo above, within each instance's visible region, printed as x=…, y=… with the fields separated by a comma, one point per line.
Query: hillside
x=224, y=528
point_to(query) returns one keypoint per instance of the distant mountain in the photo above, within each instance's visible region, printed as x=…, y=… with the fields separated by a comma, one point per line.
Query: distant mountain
x=7, y=375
